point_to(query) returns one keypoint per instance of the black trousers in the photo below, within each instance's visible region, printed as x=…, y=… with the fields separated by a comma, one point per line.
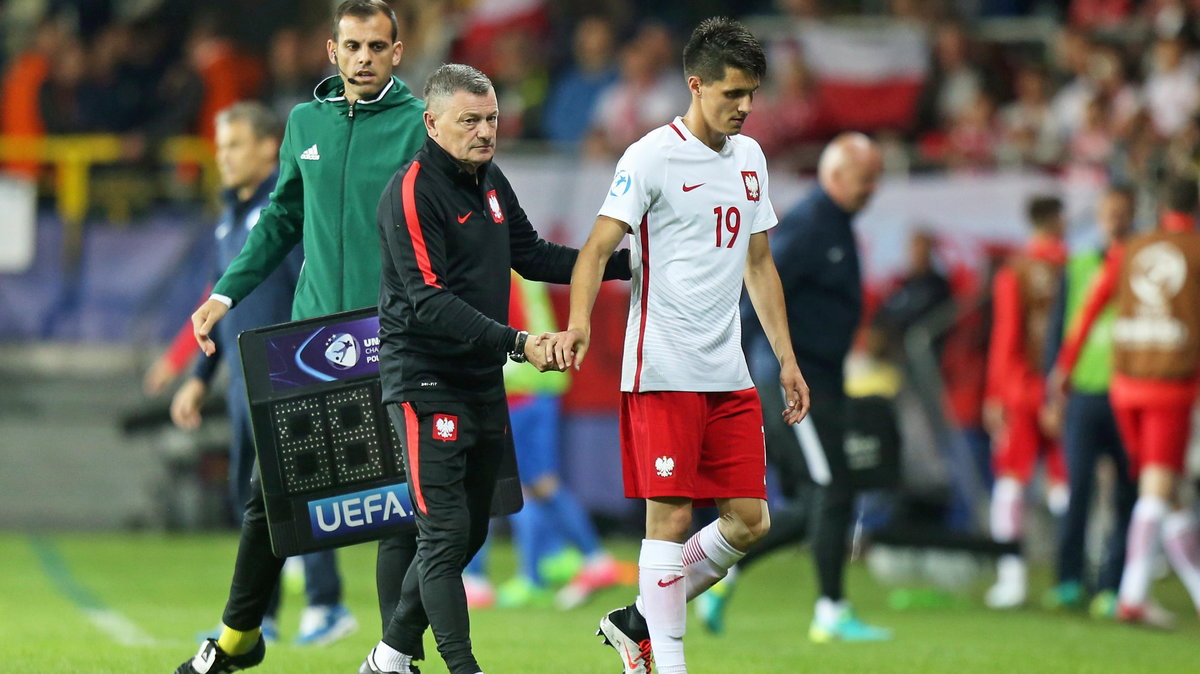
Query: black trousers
x=256, y=572
x=452, y=452
x=810, y=460
x=1089, y=433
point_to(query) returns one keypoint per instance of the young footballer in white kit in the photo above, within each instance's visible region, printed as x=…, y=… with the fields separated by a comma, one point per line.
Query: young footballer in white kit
x=693, y=195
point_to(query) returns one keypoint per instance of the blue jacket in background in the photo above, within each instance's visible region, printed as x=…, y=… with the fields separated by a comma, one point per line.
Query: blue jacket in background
x=817, y=258
x=268, y=304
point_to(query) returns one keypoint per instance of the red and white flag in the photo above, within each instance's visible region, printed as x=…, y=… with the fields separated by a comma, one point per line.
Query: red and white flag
x=867, y=77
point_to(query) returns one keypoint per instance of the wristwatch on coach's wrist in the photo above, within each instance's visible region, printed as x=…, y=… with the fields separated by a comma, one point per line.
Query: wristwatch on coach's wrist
x=517, y=355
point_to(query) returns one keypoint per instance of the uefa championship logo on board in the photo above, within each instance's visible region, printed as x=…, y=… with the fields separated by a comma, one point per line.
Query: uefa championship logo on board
x=342, y=351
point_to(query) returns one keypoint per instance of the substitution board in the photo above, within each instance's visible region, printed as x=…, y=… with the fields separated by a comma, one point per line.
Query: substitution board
x=327, y=452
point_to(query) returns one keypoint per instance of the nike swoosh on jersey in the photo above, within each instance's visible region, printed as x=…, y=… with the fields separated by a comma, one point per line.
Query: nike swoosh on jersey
x=689, y=188
x=463, y=218
x=669, y=583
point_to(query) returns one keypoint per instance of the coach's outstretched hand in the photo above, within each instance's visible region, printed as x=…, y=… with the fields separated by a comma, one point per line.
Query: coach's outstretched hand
x=795, y=392
x=203, y=321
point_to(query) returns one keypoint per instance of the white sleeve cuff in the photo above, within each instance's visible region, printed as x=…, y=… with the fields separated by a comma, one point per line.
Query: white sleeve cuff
x=222, y=299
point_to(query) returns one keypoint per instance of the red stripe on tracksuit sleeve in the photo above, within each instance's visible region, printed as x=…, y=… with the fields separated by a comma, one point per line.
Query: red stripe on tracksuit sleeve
x=412, y=434
x=414, y=224
x=637, y=375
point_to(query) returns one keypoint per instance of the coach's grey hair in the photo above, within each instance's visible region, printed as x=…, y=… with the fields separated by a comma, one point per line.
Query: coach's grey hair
x=263, y=122
x=452, y=77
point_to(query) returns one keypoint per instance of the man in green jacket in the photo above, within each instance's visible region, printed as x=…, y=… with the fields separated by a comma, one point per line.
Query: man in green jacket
x=338, y=153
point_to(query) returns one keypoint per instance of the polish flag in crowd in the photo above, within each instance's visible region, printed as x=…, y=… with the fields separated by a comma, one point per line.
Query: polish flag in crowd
x=868, y=78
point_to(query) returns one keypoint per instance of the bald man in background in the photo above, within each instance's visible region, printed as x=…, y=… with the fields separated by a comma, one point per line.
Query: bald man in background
x=815, y=251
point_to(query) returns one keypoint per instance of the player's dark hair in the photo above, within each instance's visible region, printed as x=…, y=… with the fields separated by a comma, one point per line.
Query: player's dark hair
x=452, y=77
x=365, y=9
x=264, y=123
x=719, y=42
x=1181, y=195
x=1043, y=209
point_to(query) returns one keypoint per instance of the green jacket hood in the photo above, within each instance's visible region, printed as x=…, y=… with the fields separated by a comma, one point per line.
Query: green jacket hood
x=332, y=90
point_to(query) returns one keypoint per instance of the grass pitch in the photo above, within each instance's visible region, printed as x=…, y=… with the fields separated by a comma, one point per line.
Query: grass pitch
x=134, y=603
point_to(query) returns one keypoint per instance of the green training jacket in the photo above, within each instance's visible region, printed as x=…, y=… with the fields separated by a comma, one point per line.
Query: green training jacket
x=334, y=161
x=1093, y=370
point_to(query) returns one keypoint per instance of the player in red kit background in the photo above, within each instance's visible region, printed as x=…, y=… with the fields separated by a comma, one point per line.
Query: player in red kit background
x=1024, y=291
x=1154, y=280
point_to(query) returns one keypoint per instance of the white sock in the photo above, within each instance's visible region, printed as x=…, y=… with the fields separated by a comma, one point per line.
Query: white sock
x=707, y=557
x=1058, y=497
x=389, y=659
x=828, y=611
x=1007, y=510
x=1144, y=528
x=1010, y=570
x=1179, y=540
x=664, y=602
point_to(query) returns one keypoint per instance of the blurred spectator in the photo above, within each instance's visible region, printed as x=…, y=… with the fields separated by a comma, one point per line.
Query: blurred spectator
x=1171, y=17
x=20, y=115
x=1172, y=92
x=1091, y=146
x=426, y=31
x=67, y=98
x=521, y=82
x=288, y=84
x=973, y=139
x=955, y=82
x=645, y=96
x=1183, y=152
x=1072, y=49
x=922, y=290
x=1028, y=133
x=109, y=71
x=226, y=74
x=1107, y=78
x=573, y=98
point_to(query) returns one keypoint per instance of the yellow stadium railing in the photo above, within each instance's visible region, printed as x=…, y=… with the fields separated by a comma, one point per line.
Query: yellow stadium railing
x=74, y=156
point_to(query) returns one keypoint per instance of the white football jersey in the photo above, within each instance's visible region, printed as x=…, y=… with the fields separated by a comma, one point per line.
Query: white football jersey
x=692, y=211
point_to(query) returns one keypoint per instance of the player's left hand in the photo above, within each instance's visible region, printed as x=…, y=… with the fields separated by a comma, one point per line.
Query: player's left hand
x=567, y=348
x=539, y=354
x=795, y=391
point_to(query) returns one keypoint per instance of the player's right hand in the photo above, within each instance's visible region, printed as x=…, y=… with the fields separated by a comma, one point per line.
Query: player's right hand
x=203, y=321
x=185, y=406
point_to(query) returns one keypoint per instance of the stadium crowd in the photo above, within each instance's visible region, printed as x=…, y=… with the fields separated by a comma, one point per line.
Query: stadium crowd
x=1089, y=89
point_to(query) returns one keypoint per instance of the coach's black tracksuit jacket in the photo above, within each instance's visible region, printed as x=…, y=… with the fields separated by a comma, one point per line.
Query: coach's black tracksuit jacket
x=449, y=239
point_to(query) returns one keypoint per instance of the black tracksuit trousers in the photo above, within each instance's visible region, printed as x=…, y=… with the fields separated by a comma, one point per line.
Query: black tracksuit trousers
x=452, y=452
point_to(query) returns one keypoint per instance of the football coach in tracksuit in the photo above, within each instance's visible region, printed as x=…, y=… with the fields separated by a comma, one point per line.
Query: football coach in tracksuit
x=451, y=229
